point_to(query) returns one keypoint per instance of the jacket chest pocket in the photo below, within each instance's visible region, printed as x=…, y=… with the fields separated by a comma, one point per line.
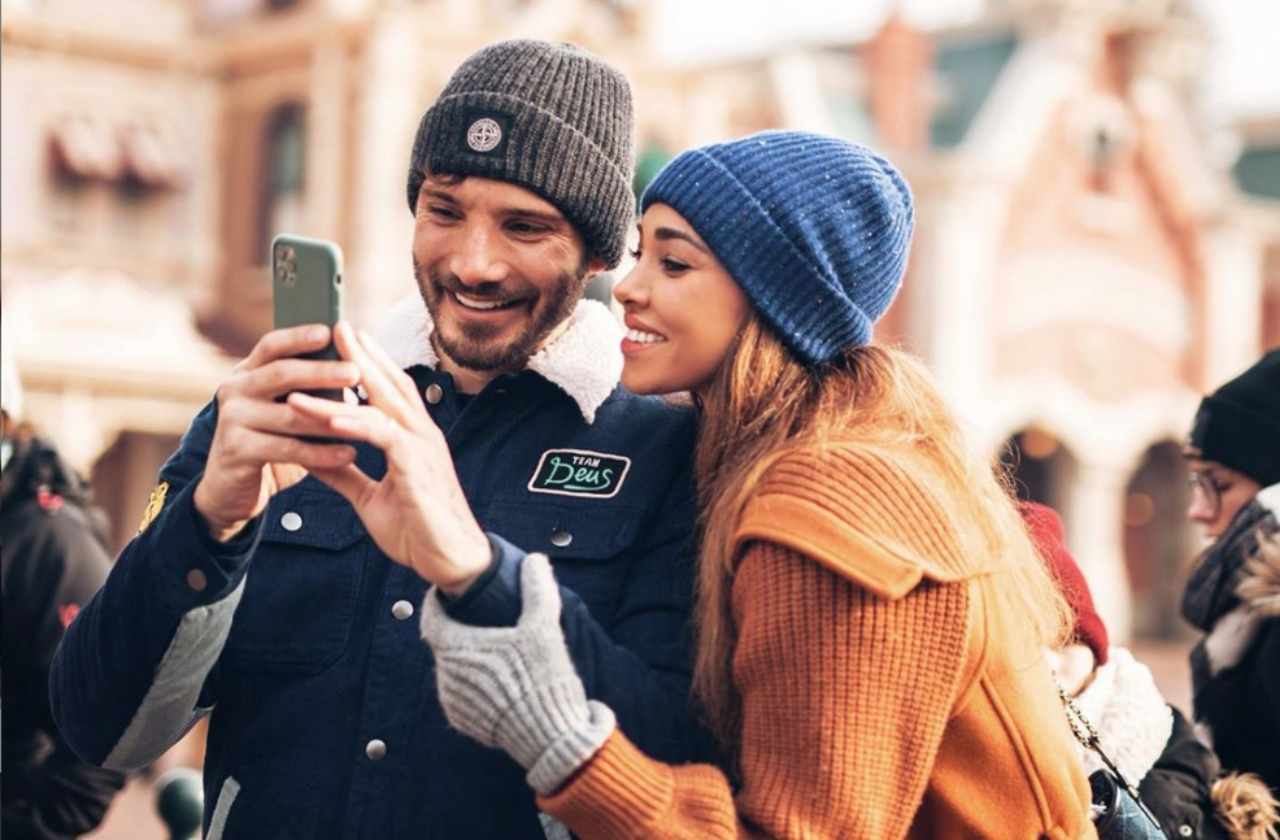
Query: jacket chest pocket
x=587, y=543
x=303, y=584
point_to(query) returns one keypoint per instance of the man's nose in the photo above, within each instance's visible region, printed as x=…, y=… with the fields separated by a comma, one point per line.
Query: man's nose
x=477, y=260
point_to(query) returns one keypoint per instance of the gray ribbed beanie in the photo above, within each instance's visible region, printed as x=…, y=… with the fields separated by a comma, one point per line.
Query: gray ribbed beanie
x=549, y=117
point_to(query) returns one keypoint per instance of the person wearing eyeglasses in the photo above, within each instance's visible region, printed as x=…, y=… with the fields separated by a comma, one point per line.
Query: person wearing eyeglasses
x=1233, y=594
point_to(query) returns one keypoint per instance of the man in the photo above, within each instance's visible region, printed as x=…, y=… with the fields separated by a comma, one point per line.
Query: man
x=53, y=561
x=1233, y=595
x=269, y=599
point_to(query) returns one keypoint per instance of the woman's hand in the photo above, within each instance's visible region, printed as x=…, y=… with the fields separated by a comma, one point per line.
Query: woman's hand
x=417, y=513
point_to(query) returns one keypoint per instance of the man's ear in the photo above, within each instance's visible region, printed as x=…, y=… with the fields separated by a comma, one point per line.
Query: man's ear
x=595, y=265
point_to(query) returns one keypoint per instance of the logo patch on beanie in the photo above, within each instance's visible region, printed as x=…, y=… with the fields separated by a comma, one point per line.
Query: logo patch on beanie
x=486, y=132
x=579, y=472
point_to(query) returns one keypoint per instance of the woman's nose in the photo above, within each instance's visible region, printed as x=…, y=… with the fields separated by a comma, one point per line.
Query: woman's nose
x=630, y=290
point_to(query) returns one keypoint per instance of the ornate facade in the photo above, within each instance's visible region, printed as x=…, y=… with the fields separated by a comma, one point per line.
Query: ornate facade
x=1085, y=265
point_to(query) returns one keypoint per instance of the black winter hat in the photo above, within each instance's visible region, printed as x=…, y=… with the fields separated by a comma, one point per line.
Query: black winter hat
x=549, y=117
x=1238, y=425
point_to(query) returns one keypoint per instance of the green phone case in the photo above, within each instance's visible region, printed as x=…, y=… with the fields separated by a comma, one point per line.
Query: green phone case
x=306, y=284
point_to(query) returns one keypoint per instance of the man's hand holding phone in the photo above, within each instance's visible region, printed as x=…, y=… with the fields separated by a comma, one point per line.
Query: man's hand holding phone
x=256, y=432
x=416, y=513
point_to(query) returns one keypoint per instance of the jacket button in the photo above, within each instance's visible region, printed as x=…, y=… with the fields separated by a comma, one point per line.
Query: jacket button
x=434, y=393
x=1186, y=830
x=197, y=580
x=561, y=539
x=402, y=609
x=376, y=749
x=291, y=521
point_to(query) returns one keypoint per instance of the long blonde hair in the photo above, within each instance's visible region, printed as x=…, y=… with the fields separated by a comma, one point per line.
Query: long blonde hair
x=762, y=404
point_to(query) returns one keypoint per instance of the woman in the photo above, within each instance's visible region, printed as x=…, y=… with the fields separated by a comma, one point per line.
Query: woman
x=1178, y=778
x=1233, y=594
x=872, y=611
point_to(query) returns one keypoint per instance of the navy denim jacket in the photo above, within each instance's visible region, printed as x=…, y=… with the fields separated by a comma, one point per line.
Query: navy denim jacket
x=302, y=639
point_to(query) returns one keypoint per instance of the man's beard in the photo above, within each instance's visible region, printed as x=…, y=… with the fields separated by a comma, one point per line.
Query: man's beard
x=477, y=346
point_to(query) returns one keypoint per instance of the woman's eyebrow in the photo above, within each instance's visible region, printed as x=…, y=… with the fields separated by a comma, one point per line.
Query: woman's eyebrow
x=664, y=233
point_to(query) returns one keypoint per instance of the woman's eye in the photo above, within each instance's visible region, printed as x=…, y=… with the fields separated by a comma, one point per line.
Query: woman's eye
x=635, y=253
x=441, y=212
x=673, y=266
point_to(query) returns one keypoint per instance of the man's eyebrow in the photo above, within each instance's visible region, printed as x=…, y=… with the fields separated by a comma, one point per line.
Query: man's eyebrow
x=664, y=233
x=437, y=194
x=549, y=217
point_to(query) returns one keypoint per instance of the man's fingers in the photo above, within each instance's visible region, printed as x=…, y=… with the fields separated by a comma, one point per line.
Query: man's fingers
x=249, y=445
x=402, y=381
x=290, y=341
x=380, y=388
x=354, y=422
x=275, y=418
x=348, y=481
x=284, y=375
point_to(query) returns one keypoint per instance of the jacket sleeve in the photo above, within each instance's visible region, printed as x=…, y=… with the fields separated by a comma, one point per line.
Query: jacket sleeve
x=1176, y=788
x=132, y=674
x=640, y=663
x=55, y=795
x=845, y=699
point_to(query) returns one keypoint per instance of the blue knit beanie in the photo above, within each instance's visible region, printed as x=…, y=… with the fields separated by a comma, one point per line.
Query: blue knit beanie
x=815, y=230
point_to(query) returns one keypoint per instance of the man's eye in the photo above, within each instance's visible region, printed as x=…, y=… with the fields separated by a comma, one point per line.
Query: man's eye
x=527, y=228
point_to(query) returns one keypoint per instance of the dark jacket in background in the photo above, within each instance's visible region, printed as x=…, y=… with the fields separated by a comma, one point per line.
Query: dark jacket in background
x=53, y=560
x=1177, y=786
x=1235, y=668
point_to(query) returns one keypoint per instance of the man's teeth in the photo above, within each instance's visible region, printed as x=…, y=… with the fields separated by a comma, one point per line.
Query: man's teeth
x=477, y=303
x=644, y=337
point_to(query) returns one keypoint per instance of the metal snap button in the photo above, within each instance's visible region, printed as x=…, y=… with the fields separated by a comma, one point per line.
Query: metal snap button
x=434, y=393
x=291, y=521
x=1186, y=830
x=402, y=609
x=561, y=539
x=376, y=749
x=197, y=580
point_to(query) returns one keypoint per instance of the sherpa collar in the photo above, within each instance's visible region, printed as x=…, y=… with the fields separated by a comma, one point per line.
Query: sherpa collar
x=585, y=361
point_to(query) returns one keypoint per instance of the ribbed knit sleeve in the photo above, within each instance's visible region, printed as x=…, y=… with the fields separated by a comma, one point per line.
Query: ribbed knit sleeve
x=845, y=699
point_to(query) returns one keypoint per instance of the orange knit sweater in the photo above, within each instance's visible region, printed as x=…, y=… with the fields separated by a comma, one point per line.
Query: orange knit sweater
x=881, y=697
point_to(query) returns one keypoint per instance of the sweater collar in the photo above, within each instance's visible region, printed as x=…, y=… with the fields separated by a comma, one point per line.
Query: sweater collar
x=584, y=361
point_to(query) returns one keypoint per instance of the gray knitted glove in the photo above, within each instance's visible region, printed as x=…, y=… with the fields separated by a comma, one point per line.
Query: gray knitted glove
x=515, y=688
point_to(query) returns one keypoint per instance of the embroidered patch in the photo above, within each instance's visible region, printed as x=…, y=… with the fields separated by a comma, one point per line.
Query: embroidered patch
x=579, y=472
x=155, y=504
x=486, y=132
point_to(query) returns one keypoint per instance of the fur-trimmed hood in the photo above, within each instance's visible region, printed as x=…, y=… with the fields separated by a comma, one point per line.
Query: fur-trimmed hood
x=1132, y=718
x=584, y=360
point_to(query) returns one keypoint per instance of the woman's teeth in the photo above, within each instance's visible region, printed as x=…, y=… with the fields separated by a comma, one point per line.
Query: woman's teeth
x=644, y=337
x=476, y=303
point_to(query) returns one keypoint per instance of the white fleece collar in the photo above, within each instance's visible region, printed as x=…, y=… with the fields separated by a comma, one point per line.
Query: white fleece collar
x=1132, y=718
x=585, y=360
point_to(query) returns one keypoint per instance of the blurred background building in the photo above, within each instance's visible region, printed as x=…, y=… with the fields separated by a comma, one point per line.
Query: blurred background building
x=1094, y=250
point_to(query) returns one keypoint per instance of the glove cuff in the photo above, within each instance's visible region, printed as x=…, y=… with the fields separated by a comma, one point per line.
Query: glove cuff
x=571, y=749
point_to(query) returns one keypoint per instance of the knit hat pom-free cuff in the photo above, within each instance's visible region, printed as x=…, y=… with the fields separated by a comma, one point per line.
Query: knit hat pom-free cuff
x=815, y=230
x=772, y=271
x=541, y=153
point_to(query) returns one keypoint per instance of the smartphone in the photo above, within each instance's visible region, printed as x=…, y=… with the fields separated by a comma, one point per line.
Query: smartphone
x=306, y=287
